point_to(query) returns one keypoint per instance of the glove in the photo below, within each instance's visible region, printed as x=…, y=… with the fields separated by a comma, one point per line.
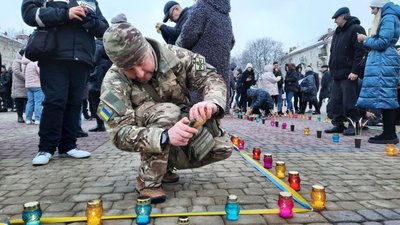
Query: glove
x=90, y=20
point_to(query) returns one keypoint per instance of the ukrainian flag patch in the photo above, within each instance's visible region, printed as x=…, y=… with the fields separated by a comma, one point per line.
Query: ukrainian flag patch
x=105, y=114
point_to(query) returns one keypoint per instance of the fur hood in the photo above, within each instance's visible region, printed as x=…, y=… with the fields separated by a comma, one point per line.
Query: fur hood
x=223, y=6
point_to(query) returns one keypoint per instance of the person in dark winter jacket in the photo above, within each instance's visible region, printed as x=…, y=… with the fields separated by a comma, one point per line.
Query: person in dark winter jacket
x=309, y=91
x=232, y=83
x=64, y=75
x=278, y=101
x=345, y=66
x=208, y=31
x=5, y=84
x=291, y=85
x=102, y=64
x=326, y=85
x=174, y=12
x=379, y=88
x=261, y=100
x=246, y=80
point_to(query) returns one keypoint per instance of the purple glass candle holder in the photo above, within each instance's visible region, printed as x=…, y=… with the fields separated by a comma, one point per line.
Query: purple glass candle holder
x=284, y=125
x=286, y=205
x=267, y=161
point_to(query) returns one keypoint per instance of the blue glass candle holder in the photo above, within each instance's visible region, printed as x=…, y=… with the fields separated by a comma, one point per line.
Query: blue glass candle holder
x=232, y=208
x=143, y=210
x=258, y=119
x=336, y=138
x=32, y=213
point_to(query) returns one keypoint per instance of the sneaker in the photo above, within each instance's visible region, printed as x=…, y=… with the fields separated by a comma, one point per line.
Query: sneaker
x=76, y=153
x=156, y=194
x=42, y=158
x=170, y=177
x=350, y=131
x=81, y=134
x=37, y=122
x=28, y=122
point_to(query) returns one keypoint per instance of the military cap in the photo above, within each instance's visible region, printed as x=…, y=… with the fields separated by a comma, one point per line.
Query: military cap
x=125, y=45
x=341, y=11
x=120, y=18
x=167, y=9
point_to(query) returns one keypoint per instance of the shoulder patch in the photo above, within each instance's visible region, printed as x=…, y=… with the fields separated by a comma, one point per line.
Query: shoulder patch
x=113, y=102
x=200, y=64
x=105, y=113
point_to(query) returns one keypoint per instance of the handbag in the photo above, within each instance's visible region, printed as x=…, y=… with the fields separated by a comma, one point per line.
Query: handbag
x=41, y=44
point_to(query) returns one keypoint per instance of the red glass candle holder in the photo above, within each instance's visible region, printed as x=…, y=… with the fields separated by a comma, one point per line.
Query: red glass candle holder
x=256, y=153
x=294, y=180
x=241, y=144
x=286, y=205
x=267, y=161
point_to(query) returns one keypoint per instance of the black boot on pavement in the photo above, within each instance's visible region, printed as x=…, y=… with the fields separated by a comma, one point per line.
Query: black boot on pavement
x=97, y=129
x=335, y=129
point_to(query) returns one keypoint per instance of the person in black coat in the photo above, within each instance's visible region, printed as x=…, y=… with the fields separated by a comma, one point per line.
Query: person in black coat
x=246, y=80
x=291, y=85
x=309, y=91
x=5, y=84
x=326, y=84
x=63, y=76
x=261, y=100
x=345, y=66
x=174, y=12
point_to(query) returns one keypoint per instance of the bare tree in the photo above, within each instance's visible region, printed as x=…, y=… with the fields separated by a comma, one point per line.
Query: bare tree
x=261, y=52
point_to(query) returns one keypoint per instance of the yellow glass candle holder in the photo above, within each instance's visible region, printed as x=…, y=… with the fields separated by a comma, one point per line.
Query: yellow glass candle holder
x=318, y=197
x=280, y=169
x=94, y=212
x=391, y=150
x=235, y=140
x=307, y=131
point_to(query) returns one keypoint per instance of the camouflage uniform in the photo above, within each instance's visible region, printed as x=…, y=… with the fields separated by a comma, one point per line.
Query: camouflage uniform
x=135, y=120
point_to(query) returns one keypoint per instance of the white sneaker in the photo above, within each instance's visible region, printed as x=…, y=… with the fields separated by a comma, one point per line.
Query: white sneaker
x=37, y=122
x=42, y=158
x=76, y=153
x=28, y=122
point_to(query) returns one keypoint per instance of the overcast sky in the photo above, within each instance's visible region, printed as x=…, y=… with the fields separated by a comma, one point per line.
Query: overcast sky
x=293, y=22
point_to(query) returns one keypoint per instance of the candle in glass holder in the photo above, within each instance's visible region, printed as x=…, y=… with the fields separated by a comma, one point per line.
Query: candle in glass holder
x=143, y=210
x=326, y=120
x=258, y=119
x=235, y=140
x=184, y=220
x=241, y=144
x=335, y=138
x=256, y=153
x=391, y=150
x=263, y=121
x=32, y=213
x=232, y=208
x=284, y=125
x=280, y=169
x=94, y=212
x=267, y=161
x=310, y=118
x=318, y=197
x=319, y=119
x=307, y=131
x=272, y=123
x=294, y=180
x=286, y=205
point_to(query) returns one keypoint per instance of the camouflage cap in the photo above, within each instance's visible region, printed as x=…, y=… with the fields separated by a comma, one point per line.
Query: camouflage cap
x=125, y=45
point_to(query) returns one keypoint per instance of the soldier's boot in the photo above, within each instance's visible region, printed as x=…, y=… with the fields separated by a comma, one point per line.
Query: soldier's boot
x=156, y=194
x=170, y=177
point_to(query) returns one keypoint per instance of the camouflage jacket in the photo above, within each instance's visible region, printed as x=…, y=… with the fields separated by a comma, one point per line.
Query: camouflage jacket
x=178, y=71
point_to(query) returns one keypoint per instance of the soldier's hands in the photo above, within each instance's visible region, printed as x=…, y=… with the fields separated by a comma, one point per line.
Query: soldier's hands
x=352, y=76
x=361, y=37
x=180, y=133
x=76, y=13
x=203, y=110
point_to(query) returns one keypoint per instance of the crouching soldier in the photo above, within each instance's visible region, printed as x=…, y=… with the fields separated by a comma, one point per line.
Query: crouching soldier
x=145, y=105
x=261, y=100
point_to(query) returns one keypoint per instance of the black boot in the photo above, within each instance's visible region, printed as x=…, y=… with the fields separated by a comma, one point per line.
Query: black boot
x=336, y=129
x=20, y=119
x=81, y=133
x=388, y=135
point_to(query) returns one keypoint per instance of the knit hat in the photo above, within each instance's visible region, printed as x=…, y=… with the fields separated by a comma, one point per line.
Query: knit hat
x=125, y=45
x=379, y=3
x=120, y=18
x=308, y=68
x=249, y=65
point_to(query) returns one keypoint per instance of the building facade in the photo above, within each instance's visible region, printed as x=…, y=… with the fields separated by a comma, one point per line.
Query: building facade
x=9, y=48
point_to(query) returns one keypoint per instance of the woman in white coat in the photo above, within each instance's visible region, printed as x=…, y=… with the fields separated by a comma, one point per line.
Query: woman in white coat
x=269, y=82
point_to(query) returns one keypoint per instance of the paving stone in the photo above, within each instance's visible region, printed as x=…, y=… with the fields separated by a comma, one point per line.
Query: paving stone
x=112, y=197
x=374, y=204
x=97, y=190
x=389, y=214
x=274, y=219
x=83, y=197
x=119, y=222
x=60, y=207
x=371, y=215
x=253, y=191
x=342, y=216
x=311, y=217
x=174, y=209
x=371, y=223
x=392, y=222
x=203, y=201
x=186, y=194
x=212, y=193
x=347, y=205
x=247, y=220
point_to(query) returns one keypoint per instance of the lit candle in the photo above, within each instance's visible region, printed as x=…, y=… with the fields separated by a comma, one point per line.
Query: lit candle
x=335, y=138
x=94, y=212
x=294, y=180
x=284, y=125
x=319, y=119
x=280, y=169
x=143, y=211
x=310, y=118
x=232, y=208
x=326, y=120
x=32, y=213
x=241, y=144
x=258, y=119
x=272, y=123
x=391, y=150
x=256, y=153
x=318, y=197
x=286, y=205
x=307, y=131
x=267, y=161
x=235, y=140
x=184, y=220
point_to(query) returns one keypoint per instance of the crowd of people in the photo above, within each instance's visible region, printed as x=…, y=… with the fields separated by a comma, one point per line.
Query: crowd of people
x=165, y=101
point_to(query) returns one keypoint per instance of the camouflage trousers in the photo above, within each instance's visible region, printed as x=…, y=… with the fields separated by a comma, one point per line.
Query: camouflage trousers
x=154, y=166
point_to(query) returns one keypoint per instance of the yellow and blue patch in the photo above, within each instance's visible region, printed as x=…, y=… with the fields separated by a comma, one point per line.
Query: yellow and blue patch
x=105, y=114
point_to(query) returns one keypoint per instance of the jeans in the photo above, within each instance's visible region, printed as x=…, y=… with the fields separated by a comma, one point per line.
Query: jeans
x=289, y=96
x=34, y=104
x=62, y=83
x=280, y=101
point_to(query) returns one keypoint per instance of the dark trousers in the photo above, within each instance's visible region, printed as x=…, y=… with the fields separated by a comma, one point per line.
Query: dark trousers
x=94, y=100
x=5, y=100
x=20, y=105
x=62, y=84
x=303, y=106
x=398, y=110
x=389, y=125
x=344, y=97
x=297, y=100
